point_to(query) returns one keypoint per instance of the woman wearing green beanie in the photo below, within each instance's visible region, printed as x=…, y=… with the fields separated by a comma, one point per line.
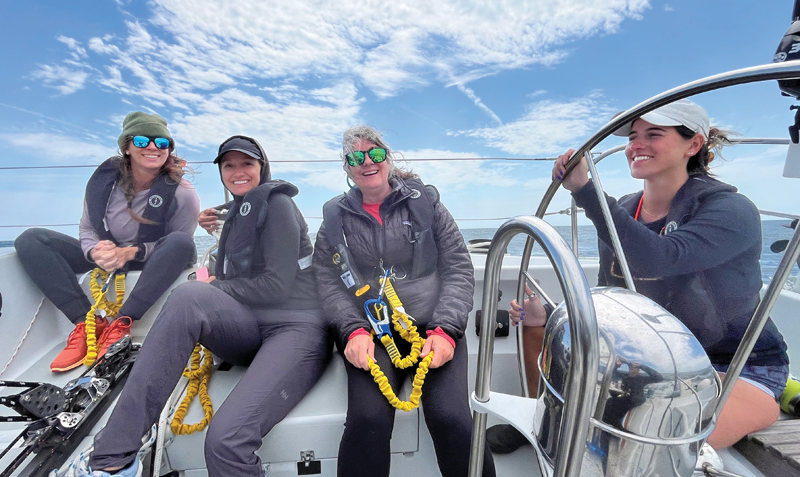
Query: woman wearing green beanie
x=138, y=214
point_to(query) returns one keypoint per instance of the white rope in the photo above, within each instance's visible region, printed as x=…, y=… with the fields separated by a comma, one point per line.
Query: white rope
x=30, y=325
x=163, y=424
x=161, y=431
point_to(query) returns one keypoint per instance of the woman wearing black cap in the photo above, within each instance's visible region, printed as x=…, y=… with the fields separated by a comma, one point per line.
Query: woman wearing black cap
x=138, y=211
x=693, y=246
x=259, y=310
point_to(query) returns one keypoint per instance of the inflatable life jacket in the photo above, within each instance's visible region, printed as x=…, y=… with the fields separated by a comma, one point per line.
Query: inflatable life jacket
x=421, y=200
x=239, y=239
x=160, y=201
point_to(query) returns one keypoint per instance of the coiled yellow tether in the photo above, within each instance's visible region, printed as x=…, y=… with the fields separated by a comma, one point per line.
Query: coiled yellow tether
x=403, y=325
x=97, y=282
x=199, y=375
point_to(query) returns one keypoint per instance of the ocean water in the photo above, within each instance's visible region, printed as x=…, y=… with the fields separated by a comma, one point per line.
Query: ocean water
x=772, y=230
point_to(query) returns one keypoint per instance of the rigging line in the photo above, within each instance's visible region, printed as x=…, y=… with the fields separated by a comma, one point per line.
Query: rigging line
x=11, y=168
x=30, y=325
x=38, y=225
x=433, y=159
x=466, y=219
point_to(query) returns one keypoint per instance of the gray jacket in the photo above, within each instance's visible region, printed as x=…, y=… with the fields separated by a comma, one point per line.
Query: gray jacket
x=441, y=299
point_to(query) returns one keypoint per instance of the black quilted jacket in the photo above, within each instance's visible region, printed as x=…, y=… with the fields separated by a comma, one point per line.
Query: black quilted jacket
x=441, y=299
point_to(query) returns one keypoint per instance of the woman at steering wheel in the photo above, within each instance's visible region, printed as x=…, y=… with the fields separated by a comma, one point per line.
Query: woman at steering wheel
x=693, y=245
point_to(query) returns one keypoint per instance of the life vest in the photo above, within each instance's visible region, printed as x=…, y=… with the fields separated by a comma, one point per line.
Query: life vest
x=239, y=241
x=420, y=200
x=160, y=203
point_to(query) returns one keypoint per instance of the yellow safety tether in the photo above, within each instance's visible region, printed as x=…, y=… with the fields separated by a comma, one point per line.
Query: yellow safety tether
x=198, y=385
x=403, y=325
x=97, y=279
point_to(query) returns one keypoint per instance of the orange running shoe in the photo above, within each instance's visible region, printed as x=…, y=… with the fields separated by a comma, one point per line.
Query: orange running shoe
x=72, y=355
x=115, y=331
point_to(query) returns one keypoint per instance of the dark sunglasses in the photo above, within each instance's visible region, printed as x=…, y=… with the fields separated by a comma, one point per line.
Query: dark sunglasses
x=376, y=154
x=144, y=141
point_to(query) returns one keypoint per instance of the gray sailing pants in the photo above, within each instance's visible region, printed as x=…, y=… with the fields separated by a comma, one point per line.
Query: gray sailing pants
x=52, y=259
x=286, y=351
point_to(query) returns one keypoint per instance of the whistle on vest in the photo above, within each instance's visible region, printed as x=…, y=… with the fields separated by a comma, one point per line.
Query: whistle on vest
x=349, y=275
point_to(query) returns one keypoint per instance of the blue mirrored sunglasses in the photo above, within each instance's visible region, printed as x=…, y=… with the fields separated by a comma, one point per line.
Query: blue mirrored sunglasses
x=144, y=141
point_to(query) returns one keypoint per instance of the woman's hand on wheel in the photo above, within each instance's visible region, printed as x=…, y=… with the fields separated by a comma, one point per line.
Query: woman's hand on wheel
x=357, y=350
x=577, y=178
x=208, y=220
x=442, y=350
x=534, y=312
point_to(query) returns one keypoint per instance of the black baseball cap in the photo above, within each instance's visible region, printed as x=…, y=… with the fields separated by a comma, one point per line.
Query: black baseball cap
x=241, y=145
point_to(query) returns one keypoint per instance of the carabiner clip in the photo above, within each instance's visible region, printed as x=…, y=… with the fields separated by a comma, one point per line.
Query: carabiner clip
x=380, y=326
x=383, y=284
x=109, y=280
x=395, y=277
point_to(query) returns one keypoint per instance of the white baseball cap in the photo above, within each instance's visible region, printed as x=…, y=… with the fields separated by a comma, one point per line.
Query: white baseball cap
x=679, y=113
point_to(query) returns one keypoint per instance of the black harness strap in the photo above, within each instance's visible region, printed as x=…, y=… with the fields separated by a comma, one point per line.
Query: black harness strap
x=421, y=206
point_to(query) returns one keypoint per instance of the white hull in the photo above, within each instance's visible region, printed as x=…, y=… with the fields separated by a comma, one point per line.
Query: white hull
x=316, y=424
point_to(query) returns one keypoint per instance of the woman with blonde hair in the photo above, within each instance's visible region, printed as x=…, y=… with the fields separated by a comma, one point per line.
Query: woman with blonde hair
x=390, y=222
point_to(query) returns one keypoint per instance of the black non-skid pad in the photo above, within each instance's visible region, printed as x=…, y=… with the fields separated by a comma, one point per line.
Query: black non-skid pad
x=43, y=400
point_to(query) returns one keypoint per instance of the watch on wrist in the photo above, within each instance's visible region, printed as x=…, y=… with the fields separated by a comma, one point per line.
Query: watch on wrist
x=140, y=252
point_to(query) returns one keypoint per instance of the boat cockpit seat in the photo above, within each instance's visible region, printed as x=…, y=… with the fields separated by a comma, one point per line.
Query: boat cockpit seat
x=315, y=424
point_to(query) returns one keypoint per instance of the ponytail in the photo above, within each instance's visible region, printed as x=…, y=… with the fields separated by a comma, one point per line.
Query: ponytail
x=717, y=139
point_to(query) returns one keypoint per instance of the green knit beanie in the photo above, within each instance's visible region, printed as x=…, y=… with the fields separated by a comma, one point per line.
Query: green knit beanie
x=138, y=123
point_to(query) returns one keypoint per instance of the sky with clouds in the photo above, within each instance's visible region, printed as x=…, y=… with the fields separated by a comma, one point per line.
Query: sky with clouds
x=481, y=80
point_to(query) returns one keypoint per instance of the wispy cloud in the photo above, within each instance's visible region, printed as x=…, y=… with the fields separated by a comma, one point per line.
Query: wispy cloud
x=458, y=174
x=746, y=166
x=65, y=80
x=475, y=99
x=252, y=67
x=78, y=52
x=548, y=126
x=307, y=126
x=220, y=45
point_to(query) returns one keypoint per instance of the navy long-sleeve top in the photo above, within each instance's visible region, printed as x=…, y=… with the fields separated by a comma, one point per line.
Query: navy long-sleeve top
x=700, y=262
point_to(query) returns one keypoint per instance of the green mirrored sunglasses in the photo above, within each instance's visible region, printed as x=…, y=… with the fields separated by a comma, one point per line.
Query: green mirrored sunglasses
x=376, y=155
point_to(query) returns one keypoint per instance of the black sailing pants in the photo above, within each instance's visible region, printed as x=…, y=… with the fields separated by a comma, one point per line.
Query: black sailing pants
x=52, y=259
x=365, y=451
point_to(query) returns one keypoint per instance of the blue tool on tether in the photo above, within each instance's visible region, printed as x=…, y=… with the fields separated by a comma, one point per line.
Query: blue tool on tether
x=381, y=326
